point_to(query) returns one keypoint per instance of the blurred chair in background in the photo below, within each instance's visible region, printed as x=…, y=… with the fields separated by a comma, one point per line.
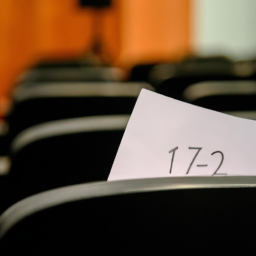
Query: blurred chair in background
x=52, y=102
x=175, y=86
x=60, y=100
x=233, y=97
x=61, y=153
x=74, y=74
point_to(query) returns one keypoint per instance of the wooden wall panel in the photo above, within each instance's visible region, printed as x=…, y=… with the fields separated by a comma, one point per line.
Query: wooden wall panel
x=156, y=30
x=110, y=30
x=17, y=43
x=33, y=30
x=132, y=32
x=64, y=29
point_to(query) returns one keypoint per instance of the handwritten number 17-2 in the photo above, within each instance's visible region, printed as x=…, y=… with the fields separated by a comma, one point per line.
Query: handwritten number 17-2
x=194, y=158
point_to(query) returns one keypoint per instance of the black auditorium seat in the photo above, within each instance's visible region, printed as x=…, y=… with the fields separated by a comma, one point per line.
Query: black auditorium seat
x=196, y=70
x=141, y=72
x=55, y=101
x=175, y=87
x=72, y=73
x=188, y=215
x=211, y=65
x=61, y=153
x=233, y=97
x=192, y=66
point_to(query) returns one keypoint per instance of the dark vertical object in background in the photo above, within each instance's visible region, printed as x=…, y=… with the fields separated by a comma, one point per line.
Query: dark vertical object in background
x=97, y=49
x=95, y=3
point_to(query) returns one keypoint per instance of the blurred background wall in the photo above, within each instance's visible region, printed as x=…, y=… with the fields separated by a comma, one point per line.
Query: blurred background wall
x=224, y=27
x=130, y=32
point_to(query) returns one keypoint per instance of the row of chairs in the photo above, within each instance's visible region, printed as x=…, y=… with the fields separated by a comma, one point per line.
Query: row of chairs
x=215, y=83
x=65, y=130
x=40, y=102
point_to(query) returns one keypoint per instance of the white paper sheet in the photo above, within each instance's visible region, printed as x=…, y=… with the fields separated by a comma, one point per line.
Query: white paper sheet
x=166, y=137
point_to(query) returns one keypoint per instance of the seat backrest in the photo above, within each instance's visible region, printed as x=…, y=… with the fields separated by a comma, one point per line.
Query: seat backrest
x=175, y=87
x=55, y=101
x=180, y=215
x=141, y=72
x=72, y=74
x=223, y=95
x=62, y=153
x=192, y=67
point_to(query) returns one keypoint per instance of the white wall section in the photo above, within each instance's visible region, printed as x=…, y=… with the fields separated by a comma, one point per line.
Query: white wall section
x=224, y=27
